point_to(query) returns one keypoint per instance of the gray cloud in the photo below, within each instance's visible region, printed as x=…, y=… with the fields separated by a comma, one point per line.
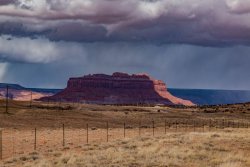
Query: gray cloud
x=239, y=6
x=6, y=2
x=208, y=22
x=35, y=50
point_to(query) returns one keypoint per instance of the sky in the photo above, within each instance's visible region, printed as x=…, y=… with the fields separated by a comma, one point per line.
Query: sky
x=198, y=44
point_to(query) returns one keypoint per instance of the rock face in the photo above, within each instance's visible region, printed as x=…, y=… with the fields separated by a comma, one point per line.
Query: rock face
x=119, y=88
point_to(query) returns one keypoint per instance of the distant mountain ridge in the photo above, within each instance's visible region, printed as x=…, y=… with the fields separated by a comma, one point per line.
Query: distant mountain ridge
x=212, y=97
x=12, y=86
x=44, y=90
x=20, y=93
x=19, y=87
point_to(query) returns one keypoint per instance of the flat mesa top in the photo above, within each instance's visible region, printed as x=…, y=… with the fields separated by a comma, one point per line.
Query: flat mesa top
x=117, y=75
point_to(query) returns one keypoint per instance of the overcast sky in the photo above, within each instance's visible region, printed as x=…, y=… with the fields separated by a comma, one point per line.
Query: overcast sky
x=186, y=43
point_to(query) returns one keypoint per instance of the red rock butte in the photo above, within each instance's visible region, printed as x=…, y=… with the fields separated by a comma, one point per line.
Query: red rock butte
x=119, y=88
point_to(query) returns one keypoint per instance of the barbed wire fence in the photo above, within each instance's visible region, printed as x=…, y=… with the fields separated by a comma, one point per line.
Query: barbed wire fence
x=18, y=141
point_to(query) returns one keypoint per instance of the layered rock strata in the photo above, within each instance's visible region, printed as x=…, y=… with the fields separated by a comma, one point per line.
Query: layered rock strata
x=119, y=88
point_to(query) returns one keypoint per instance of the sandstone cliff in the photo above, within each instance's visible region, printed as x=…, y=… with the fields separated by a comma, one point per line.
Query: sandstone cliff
x=119, y=88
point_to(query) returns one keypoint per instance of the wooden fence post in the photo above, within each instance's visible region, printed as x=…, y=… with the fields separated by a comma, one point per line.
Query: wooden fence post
x=153, y=128
x=140, y=128
x=7, y=100
x=176, y=125
x=216, y=124
x=203, y=126
x=124, y=129
x=35, y=140
x=87, y=128
x=63, y=136
x=30, y=99
x=107, y=131
x=194, y=125
x=165, y=126
x=1, y=144
x=210, y=124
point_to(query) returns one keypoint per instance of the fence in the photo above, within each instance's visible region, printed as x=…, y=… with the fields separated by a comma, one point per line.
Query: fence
x=15, y=141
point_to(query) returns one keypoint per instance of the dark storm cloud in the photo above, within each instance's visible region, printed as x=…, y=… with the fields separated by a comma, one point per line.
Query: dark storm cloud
x=6, y=2
x=208, y=22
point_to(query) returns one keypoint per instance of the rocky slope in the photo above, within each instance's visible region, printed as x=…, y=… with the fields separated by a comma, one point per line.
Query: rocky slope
x=119, y=88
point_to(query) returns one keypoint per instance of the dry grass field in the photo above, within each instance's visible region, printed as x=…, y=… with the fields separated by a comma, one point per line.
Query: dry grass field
x=228, y=148
x=53, y=115
x=183, y=136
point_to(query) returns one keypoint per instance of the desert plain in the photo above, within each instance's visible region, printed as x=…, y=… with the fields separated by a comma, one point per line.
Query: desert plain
x=72, y=134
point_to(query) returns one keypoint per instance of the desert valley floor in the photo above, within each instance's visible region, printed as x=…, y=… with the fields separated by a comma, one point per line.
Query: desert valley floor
x=131, y=135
